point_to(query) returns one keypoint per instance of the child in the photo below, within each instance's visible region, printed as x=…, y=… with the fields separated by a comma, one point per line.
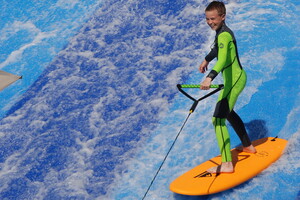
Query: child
x=235, y=78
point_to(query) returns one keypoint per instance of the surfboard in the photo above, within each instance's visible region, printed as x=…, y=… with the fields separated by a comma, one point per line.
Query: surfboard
x=247, y=165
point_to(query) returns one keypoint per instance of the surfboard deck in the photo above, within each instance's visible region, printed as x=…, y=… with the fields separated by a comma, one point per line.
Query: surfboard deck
x=198, y=182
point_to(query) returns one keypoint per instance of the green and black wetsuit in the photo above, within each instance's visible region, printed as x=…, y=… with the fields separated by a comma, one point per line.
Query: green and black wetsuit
x=225, y=49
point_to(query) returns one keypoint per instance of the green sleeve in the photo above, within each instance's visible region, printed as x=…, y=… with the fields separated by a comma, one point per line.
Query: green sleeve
x=224, y=40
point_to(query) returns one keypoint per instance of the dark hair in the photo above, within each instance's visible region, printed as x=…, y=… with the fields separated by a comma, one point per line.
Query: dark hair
x=217, y=5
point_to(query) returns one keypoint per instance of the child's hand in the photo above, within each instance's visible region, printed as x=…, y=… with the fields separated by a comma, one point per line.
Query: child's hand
x=203, y=66
x=205, y=85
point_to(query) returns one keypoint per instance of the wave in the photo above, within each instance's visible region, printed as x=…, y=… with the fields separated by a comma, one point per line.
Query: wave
x=98, y=121
x=264, y=56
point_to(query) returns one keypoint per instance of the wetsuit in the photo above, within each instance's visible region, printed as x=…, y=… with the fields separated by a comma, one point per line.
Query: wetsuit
x=235, y=78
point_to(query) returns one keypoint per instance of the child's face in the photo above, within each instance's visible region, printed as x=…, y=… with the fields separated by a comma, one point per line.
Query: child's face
x=214, y=20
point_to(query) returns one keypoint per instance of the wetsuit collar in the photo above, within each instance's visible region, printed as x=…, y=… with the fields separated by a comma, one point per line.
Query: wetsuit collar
x=220, y=30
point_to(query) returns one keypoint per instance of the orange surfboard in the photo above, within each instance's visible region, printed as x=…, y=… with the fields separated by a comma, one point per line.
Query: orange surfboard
x=198, y=182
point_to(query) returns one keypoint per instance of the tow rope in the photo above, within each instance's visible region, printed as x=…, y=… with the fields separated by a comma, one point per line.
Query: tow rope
x=192, y=109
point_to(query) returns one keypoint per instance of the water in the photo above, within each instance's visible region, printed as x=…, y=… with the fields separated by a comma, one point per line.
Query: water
x=32, y=33
x=100, y=109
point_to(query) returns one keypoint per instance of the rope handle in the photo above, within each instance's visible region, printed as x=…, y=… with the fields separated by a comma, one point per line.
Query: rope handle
x=217, y=88
x=198, y=86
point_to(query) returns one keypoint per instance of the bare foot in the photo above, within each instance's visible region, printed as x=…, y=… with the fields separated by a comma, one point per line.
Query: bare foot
x=249, y=149
x=225, y=167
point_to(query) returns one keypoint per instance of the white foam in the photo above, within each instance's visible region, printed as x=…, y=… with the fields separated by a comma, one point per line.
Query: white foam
x=38, y=38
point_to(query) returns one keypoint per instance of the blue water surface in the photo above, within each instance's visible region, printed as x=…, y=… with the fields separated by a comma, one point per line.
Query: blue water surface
x=32, y=33
x=98, y=107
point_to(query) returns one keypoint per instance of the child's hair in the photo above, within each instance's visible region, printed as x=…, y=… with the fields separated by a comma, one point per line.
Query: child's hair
x=217, y=5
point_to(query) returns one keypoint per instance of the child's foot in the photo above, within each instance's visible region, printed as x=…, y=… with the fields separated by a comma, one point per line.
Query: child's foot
x=249, y=149
x=225, y=167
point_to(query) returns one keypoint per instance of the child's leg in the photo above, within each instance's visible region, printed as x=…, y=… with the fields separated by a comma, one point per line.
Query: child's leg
x=239, y=127
x=223, y=138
